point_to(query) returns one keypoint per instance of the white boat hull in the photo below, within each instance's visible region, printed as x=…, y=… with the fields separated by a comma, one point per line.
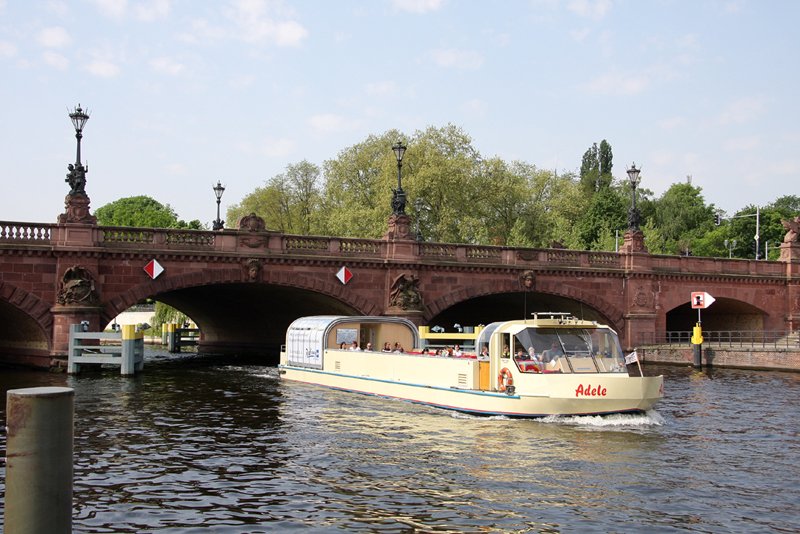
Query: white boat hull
x=547, y=394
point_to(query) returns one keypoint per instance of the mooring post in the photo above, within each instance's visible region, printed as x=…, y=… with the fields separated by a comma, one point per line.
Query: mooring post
x=697, y=346
x=39, y=460
x=173, y=343
x=130, y=338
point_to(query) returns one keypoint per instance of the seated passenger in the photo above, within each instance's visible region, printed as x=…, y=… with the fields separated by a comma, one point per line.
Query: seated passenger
x=398, y=348
x=354, y=346
x=343, y=345
x=522, y=355
x=532, y=355
x=457, y=351
x=553, y=352
x=386, y=347
x=484, y=355
x=369, y=346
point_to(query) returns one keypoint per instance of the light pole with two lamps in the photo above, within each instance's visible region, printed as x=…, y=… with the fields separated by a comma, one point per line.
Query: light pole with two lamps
x=730, y=245
x=218, y=190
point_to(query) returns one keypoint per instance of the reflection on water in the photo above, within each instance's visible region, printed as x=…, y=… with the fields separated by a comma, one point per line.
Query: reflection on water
x=197, y=445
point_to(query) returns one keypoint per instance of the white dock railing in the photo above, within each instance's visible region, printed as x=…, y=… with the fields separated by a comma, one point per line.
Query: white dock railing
x=125, y=348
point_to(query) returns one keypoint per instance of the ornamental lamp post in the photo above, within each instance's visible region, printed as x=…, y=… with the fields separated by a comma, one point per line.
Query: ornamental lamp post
x=399, y=196
x=77, y=172
x=633, y=213
x=218, y=190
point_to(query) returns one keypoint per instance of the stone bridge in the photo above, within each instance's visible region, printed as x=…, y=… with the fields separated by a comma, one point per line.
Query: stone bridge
x=244, y=286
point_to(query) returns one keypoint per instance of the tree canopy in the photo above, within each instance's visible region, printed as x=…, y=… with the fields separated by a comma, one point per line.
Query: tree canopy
x=455, y=194
x=141, y=211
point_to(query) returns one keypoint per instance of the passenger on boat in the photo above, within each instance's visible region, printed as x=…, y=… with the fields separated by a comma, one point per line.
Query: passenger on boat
x=343, y=345
x=532, y=355
x=386, y=347
x=457, y=351
x=553, y=352
x=506, y=352
x=369, y=346
x=522, y=355
x=398, y=347
x=484, y=355
x=354, y=346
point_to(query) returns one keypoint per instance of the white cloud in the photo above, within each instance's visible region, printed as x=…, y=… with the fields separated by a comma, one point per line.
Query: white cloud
x=330, y=123
x=670, y=123
x=277, y=148
x=166, y=65
x=55, y=37
x=176, y=169
x=595, y=9
x=202, y=31
x=784, y=168
x=580, y=35
x=743, y=143
x=57, y=7
x=103, y=68
x=153, y=10
x=381, y=88
x=56, y=60
x=112, y=8
x=417, y=6
x=742, y=110
x=617, y=84
x=476, y=106
x=7, y=49
x=462, y=59
x=256, y=23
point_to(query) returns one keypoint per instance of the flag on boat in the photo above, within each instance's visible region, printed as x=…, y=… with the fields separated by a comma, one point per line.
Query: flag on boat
x=631, y=358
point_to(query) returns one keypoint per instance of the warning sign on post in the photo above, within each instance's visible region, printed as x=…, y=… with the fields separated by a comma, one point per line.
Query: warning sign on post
x=701, y=300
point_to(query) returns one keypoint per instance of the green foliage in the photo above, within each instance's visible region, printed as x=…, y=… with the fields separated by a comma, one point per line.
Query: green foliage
x=607, y=213
x=288, y=202
x=167, y=314
x=141, y=211
x=596, y=165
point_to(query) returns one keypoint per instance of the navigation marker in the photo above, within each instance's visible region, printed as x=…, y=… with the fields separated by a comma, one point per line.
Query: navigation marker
x=701, y=300
x=344, y=275
x=153, y=269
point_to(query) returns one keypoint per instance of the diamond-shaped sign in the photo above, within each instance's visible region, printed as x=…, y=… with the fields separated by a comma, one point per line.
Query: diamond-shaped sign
x=344, y=275
x=153, y=269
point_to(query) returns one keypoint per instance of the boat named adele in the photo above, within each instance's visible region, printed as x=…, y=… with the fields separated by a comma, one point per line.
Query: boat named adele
x=550, y=364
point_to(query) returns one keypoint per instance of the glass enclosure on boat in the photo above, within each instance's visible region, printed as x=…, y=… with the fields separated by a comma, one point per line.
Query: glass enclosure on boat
x=565, y=350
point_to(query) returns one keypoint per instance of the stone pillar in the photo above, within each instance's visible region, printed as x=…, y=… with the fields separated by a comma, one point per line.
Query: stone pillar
x=790, y=252
x=77, y=210
x=65, y=316
x=633, y=241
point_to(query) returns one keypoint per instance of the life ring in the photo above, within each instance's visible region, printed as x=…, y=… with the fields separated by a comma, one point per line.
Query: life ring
x=504, y=379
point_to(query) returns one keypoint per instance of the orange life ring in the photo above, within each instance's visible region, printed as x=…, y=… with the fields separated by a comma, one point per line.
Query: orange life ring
x=504, y=379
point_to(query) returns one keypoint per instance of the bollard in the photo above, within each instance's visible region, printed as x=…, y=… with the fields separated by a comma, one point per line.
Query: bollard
x=129, y=339
x=697, y=346
x=39, y=460
x=164, y=333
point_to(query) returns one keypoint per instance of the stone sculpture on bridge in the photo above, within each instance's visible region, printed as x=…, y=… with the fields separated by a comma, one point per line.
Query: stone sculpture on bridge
x=793, y=227
x=405, y=293
x=77, y=287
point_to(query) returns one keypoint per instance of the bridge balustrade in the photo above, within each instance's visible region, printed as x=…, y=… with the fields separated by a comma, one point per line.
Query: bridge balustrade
x=26, y=232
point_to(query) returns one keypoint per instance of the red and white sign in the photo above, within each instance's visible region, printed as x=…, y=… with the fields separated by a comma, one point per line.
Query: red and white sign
x=344, y=275
x=153, y=269
x=701, y=300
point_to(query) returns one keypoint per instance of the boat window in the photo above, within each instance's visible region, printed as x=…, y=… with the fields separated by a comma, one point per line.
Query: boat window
x=575, y=350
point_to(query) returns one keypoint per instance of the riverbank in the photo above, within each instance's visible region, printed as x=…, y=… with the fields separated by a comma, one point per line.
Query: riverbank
x=740, y=358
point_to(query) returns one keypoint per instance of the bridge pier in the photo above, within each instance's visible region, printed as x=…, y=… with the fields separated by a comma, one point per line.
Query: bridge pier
x=64, y=316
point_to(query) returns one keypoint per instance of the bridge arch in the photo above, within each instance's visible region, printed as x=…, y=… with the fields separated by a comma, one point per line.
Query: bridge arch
x=453, y=306
x=26, y=326
x=236, y=315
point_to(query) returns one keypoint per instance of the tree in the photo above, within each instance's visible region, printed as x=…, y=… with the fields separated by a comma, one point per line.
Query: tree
x=141, y=211
x=289, y=202
x=596, y=166
x=682, y=218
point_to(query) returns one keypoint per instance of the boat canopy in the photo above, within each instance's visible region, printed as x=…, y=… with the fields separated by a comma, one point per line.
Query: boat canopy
x=308, y=337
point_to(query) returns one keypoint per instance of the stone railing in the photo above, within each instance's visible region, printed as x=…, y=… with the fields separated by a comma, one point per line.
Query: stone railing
x=36, y=233
x=156, y=237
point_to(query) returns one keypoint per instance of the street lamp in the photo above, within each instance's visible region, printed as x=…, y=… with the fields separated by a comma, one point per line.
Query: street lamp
x=218, y=190
x=77, y=172
x=633, y=213
x=399, y=196
x=730, y=246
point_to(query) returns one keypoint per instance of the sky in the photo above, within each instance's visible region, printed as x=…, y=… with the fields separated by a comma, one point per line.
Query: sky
x=185, y=93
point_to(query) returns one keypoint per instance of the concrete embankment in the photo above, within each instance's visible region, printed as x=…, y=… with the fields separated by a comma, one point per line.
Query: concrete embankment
x=753, y=358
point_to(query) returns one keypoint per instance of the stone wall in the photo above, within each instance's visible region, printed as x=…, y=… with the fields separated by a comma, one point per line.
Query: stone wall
x=777, y=359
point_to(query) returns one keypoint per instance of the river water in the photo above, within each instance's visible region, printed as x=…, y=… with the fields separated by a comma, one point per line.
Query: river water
x=198, y=445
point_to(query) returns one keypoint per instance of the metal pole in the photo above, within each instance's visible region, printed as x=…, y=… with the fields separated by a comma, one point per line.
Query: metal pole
x=39, y=460
x=758, y=220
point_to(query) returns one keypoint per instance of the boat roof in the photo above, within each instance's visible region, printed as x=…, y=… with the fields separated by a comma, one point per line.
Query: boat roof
x=547, y=320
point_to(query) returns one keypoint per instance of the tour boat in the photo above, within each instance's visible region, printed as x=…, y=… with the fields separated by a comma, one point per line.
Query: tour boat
x=549, y=364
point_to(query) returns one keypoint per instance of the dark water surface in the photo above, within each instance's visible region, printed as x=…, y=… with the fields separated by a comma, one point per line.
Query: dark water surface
x=201, y=446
